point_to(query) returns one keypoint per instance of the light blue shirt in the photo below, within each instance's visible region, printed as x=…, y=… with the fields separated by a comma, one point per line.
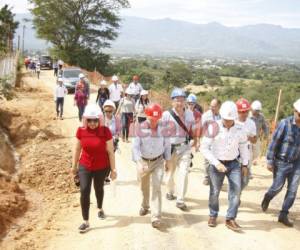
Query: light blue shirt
x=209, y=116
x=150, y=144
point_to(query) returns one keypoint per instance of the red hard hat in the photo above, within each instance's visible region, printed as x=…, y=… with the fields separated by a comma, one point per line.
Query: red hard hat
x=154, y=111
x=135, y=78
x=243, y=105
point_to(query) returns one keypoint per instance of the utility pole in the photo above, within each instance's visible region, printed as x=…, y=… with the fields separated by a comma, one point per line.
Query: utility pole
x=23, y=39
x=19, y=42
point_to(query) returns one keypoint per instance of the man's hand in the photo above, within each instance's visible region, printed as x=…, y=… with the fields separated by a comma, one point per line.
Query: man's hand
x=270, y=168
x=245, y=171
x=221, y=168
x=142, y=167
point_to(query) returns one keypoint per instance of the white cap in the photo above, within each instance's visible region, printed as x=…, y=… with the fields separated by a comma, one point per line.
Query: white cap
x=297, y=105
x=59, y=79
x=81, y=75
x=114, y=78
x=128, y=91
x=144, y=92
x=228, y=111
x=92, y=111
x=109, y=103
x=256, y=105
x=103, y=82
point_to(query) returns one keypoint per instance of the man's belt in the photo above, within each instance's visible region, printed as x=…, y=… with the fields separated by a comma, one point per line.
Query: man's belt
x=153, y=159
x=226, y=161
x=179, y=144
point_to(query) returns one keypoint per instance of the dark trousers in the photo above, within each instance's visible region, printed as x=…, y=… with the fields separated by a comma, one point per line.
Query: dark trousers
x=127, y=119
x=55, y=71
x=117, y=104
x=141, y=119
x=86, y=177
x=81, y=109
x=59, y=106
x=283, y=172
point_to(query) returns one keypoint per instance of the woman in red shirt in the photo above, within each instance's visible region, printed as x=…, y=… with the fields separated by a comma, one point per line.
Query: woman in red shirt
x=93, y=157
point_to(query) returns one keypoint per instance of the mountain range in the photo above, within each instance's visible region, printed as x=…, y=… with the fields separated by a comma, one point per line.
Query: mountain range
x=173, y=37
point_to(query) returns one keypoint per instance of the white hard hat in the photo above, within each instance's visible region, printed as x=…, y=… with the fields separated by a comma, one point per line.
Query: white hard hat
x=92, y=111
x=103, y=82
x=115, y=78
x=228, y=111
x=128, y=91
x=256, y=105
x=59, y=79
x=297, y=105
x=144, y=92
x=109, y=103
x=81, y=75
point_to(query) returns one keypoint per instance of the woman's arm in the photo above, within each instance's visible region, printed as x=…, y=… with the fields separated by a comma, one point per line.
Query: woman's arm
x=76, y=155
x=111, y=155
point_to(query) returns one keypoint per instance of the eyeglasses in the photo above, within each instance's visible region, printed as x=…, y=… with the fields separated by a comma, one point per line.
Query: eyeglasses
x=108, y=111
x=191, y=103
x=93, y=120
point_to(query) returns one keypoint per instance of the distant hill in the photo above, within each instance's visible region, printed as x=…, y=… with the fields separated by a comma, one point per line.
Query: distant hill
x=173, y=37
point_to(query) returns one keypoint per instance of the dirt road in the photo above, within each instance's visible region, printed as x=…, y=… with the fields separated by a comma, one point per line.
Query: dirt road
x=125, y=229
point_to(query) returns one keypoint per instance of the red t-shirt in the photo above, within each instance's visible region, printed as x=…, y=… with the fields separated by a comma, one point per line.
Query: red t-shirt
x=94, y=155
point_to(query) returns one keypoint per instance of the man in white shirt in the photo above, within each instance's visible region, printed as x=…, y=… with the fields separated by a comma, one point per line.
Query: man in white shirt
x=59, y=95
x=222, y=150
x=115, y=91
x=150, y=149
x=135, y=87
x=243, y=107
x=211, y=115
x=180, y=143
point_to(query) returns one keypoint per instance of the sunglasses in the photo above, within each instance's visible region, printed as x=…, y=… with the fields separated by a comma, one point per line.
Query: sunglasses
x=93, y=120
x=108, y=111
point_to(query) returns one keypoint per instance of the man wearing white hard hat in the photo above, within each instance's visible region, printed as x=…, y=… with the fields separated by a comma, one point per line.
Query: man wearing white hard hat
x=60, y=92
x=262, y=129
x=283, y=159
x=103, y=94
x=222, y=148
x=115, y=91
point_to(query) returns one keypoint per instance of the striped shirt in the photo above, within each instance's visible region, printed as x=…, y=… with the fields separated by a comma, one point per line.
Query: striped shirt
x=285, y=144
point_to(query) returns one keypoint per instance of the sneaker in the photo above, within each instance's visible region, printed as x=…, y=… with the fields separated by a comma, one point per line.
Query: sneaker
x=212, y=222
x=84, y=227
x=101, y=215
x=170, y=197
x=285, y=221
x=143, y=211
x=181, y=206
x=156, y=224
x=232, y=225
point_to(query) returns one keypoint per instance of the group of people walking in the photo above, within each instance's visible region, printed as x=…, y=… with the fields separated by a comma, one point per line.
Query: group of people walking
x=162, y=148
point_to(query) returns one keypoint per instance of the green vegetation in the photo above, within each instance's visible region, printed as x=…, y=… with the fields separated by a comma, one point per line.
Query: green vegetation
x=78, y=30
x=6, y=90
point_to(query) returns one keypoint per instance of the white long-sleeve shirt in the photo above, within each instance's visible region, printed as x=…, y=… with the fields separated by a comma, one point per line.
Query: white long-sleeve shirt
x=135, y=88
x=60, y=92
x=227, y=145
x=150, y=144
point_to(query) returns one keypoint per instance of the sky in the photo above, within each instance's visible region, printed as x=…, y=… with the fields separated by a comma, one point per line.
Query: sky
x=227, y=12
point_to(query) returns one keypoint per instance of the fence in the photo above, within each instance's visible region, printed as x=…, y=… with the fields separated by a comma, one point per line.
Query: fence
x=8, y=67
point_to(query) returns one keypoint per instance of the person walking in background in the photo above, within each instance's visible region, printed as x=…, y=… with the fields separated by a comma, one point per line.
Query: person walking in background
x=86, y=86
x=243, y=107
x=113, y=124
x=38, y=70
x=55, y=68
x=180, y=122
x=59, y=95
x=222, y=151
x=135, y=87
x=212, y=115
x=115, y=91
x=80, y=99
x=150, y=148
x=140, y=106
x=103, y=94
x=262, y=129
x=93, y=157
x=283, y=159
x=126, y=109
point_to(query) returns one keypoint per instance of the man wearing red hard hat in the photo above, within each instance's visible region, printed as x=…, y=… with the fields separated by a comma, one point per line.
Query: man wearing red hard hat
x=150, y=149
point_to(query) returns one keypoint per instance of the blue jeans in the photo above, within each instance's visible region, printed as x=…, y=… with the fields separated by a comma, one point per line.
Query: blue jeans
x=285, y=171
x=216, y=181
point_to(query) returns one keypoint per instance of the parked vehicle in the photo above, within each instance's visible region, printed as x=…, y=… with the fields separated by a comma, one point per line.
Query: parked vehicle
x=70, y=77
x=46, y=62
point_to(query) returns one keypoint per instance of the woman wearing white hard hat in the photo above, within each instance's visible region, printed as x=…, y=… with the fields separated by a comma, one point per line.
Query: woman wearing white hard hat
x=222, y=149
x=86, y=85
x=126, y=109
x=103, y=94
x=140, y=106
x=93, y=158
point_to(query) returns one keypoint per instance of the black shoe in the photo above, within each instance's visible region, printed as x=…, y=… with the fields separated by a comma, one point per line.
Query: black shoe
x=170, y=197
x=181, y=206
x=101, y=215
x=107, y=181
x=84, y=227
x=156, y=224
x=143, y=211
x=285, y=221
x=265, y=204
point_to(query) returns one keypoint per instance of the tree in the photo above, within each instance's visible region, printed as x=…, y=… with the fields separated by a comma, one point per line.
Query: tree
x=7, y=28
x=78, y=29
